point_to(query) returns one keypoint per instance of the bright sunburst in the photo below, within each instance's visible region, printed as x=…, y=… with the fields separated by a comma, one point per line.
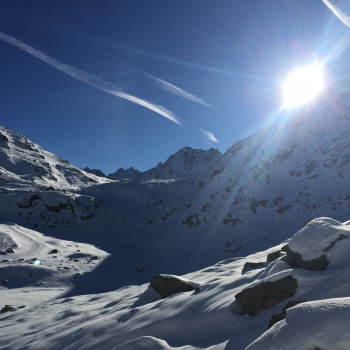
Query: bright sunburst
x=303, y=85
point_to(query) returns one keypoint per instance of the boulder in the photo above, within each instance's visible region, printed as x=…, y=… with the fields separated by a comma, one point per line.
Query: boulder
x=265, y=295
x=167, y=285
x=252, y=265
x=7, y=308
x=273, y=256
x=295, y=259
x=316, y=244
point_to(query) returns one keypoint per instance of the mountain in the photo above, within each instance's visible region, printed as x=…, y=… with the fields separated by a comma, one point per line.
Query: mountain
x=212, y=234
x=26, y=164
x=199, y=206
x=184, y=163
x=96, y=172
x=126, y=174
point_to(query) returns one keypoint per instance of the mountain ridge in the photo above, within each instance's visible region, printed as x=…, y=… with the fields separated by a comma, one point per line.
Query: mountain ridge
x=276, y=179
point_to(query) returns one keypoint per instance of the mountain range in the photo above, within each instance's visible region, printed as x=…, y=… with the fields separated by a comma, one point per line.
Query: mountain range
x=197, y=208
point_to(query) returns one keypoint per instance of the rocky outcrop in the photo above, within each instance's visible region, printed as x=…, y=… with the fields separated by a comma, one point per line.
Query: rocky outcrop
x=252, y=265
x=96, y=172
x=295, y=259
x=273, y=256
x=261, y=297
x=167, y=285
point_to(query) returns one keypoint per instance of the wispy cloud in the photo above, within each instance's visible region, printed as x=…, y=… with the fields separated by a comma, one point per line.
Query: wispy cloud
x=209, y=135
x=341, y=9
x=173, y=89
x=89, y=79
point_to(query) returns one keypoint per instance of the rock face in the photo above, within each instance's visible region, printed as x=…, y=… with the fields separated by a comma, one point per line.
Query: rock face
x=265, y=295
x=96, y=172
x=167, y=285
x=295, y=259
x=273, y=256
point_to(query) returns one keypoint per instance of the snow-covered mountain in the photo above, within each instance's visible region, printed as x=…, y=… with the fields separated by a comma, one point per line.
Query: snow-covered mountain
x=96, y=172
x=126, y=174
x=26, y=164
x=184, y=163
x=217, y=206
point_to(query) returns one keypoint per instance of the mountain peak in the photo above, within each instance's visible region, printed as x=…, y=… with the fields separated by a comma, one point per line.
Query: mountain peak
x=24, y=163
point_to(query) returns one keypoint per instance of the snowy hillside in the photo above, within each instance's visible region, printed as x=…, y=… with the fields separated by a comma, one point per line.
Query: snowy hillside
x=25, y=164
x=267, y=300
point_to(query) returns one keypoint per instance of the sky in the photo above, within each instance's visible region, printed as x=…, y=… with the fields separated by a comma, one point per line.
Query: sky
x=128, y=83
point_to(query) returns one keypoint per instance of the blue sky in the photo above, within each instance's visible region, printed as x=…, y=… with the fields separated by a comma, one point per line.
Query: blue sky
x=109, y=82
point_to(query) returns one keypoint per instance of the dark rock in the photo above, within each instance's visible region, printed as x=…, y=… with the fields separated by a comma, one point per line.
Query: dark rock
x=167, y=285
x=295, y=259
x=53, y=251
x=140, y=269
x=97, y=172
x=273, y=256
x=4, y=281
x=252, y=265
x=265, y=295
x=281, y=316
x=7, y=308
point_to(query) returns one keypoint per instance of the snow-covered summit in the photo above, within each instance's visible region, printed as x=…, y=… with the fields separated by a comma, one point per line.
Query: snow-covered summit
x=184, y=163
x=24, y=164
x=126, y=174
x=96, y=172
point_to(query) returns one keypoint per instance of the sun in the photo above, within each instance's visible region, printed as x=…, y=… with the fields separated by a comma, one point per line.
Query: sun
x=303, y=85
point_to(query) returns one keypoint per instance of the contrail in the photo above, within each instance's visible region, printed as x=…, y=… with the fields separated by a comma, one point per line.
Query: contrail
x=341, y=8
x=210, y=136
x=173, y=89
x=89, y=79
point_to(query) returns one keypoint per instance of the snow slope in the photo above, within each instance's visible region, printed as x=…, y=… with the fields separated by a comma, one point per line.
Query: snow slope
x=136, y=317
x=25, y=164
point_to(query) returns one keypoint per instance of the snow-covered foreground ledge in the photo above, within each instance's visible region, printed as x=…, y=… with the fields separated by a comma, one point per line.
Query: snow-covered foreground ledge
x=137, y=317
x=321, y=324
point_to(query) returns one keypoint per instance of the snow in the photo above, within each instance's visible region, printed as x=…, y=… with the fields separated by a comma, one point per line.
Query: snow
x=135, y=317
x=197, y=215
x=322, y=324
x=317, y=236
